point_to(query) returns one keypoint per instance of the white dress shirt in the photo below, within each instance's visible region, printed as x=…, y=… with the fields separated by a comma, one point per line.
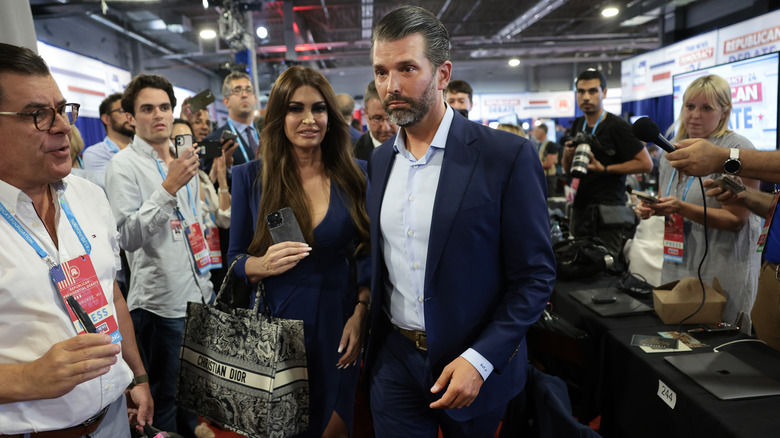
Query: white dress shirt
x=162, y=269
x=405, y=223
x=32, y=314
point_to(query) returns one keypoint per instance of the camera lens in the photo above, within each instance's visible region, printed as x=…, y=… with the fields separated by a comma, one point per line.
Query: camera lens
x=579, y=164
x=275, y=219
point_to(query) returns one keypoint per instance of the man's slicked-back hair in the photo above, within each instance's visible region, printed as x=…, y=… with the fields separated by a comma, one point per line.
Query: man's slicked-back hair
x=146, y=81
x=21, y=61
x=409, y=20
x=592, y=73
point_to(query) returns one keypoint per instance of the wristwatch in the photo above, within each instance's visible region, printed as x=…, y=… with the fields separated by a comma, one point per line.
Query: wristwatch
x=732, y=165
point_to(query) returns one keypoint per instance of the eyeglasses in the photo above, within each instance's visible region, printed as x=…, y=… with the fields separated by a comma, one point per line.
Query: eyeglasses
x=118, y=110
x=241, y=90
x=378, y=119
x=44, y=117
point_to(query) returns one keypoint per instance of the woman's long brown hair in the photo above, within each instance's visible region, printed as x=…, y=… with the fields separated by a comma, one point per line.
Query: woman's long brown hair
x=281, y=182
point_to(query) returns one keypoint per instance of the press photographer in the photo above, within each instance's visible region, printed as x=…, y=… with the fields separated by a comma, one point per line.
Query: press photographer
x=614, y=153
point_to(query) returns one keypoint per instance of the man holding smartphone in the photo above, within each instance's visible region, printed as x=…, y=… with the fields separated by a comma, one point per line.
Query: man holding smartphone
x=53, y=381
x=155, y=198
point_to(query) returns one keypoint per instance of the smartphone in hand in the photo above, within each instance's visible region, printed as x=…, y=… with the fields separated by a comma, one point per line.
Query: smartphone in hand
x=228, y=135
x=650, y=199
x=284, y=227
x=210, y=149
x=201, y=101
x=181, y=142
x=726, y=182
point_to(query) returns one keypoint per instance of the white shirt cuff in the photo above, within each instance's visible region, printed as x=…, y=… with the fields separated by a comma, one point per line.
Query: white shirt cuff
x=479, y=362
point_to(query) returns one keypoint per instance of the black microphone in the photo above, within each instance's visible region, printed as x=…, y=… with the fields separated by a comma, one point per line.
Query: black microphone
x=646, y=130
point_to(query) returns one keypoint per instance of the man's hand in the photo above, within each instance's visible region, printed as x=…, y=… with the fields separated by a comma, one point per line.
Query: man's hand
x=67, y=364
x=725, y=197
x=140, y=406
x=181, y=170
x=698, y=157
x=228, y=147
x=464, y=384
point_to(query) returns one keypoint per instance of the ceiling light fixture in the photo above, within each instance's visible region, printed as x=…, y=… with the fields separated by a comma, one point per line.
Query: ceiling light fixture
x=609, y=12
x=262, y=32
x=208, y=34
x=514, y=62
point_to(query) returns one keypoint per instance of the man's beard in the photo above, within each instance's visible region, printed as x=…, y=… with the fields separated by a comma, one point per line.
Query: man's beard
x=123, y=128
x=418, y=108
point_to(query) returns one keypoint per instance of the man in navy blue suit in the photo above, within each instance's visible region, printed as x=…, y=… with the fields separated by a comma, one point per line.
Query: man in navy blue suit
x=461, y=258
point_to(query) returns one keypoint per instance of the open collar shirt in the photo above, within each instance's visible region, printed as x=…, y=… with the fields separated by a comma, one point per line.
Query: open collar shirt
x=164, y=277
x=405, y=223
x=32, y=314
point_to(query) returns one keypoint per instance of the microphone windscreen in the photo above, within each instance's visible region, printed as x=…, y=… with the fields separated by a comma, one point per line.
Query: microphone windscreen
x=646, y=130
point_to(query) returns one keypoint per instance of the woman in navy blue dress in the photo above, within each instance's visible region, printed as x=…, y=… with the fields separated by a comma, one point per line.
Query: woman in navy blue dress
x=306, y=164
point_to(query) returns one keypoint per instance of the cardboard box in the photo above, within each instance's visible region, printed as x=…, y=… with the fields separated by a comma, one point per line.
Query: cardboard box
x=678, y=299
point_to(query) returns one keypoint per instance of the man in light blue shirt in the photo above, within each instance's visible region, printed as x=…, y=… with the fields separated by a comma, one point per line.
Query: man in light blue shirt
x=119, y=133
x=462, y=263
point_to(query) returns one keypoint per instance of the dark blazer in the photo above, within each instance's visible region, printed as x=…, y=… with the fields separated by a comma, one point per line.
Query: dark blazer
x=238, y=156
x=490, y=265
x=364, y=147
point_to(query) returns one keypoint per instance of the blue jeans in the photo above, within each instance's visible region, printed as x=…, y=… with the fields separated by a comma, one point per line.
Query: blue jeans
x=159, y=340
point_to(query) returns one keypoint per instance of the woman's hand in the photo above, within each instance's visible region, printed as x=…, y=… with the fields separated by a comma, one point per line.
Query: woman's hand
x=219, y=172
x=353, y=337
x=667, y=205
x=279, y=258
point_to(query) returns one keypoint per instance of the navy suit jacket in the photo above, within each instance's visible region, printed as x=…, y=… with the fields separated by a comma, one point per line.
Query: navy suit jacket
x=490, y=265
x=238, y=156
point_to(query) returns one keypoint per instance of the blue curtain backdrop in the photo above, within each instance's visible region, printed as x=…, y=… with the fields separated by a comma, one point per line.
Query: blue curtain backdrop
x=92, y=130
x=659, y=109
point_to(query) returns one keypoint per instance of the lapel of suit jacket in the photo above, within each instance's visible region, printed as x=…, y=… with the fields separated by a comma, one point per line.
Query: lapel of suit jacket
x=379, y=172
x=460, y=157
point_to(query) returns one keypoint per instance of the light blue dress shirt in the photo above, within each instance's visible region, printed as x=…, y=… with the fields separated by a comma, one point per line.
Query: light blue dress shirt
x=405, y=223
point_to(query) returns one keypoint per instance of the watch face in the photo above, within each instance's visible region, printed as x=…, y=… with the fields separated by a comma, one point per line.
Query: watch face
x=732, y=166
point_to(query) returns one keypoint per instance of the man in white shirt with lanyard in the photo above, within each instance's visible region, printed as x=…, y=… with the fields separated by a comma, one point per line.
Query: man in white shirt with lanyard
x=155, y=198
x=119, y=133
x=59, y=246
x=240, y=99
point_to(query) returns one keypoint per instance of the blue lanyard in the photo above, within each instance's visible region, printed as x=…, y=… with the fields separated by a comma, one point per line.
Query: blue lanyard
x=211, y=213
x=26, y=236
x=114, y=148
x=189, y=194
x=585, y=122
x=687, y=186
x=241, y=140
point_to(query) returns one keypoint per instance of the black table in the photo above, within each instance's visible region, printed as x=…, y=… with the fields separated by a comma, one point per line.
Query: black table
x=631, y=406
x=580, y=363
x=588, y=320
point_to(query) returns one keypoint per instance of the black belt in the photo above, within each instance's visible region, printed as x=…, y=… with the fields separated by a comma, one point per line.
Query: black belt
x=85, y=428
